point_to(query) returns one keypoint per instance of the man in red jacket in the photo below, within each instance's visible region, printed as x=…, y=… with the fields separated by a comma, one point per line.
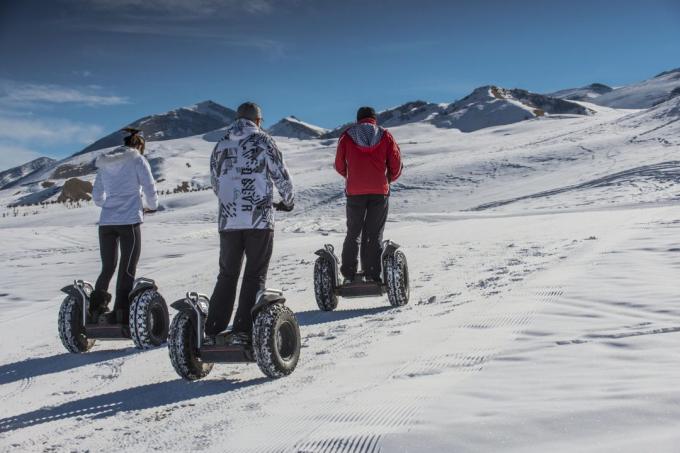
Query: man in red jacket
x=369, y=159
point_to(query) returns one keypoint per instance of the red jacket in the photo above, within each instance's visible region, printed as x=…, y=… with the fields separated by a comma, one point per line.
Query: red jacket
x=368, y=158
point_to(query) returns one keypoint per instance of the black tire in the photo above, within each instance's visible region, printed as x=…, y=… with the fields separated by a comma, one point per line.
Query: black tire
x=276, y=341
x=398, y=290
x=71, y=328
x=183, y=349
x=324, y=291
x=149, y=319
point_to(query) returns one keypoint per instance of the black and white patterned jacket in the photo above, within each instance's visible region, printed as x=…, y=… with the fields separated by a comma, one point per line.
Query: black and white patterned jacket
x=244, y=167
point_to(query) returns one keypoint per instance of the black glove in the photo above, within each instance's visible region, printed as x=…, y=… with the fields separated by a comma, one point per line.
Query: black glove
x=281, y=206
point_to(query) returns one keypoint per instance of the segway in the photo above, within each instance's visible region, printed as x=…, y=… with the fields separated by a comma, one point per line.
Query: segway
x=394, y=281
x=148, y=319
x=275, y=342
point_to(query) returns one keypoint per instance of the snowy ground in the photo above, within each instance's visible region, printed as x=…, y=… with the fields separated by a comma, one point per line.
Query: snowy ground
x=543, y=311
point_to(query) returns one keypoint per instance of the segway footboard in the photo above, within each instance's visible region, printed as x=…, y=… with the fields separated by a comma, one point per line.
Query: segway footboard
x=104, y=332
x=361, y=288
x=226, y=354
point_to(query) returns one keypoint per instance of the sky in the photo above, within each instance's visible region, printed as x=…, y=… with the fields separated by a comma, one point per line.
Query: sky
x=72, y=71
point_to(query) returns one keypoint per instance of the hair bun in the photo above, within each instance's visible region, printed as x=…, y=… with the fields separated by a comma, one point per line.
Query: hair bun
x=131, y=130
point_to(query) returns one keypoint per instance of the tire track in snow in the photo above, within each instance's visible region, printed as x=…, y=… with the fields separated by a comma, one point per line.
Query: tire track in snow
x=469, y=361
x=385, y=418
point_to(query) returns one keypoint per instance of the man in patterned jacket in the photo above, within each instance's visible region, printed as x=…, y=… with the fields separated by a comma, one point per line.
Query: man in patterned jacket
x=369, y=159
x=245, y=166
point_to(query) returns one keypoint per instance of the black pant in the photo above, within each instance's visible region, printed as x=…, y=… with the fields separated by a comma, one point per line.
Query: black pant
x=129, y=238
x=366, y=217
x=257, y=246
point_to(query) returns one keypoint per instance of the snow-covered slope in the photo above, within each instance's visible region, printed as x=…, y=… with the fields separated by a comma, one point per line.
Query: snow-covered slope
x=196, y=119
x=659, y=123
x=543, y=308
x=292, y=127
x=493, y=106
x=14, y=175
x=586, y=93
x=644, y=94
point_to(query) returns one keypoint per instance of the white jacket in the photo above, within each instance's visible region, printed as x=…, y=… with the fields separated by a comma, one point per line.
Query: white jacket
x=121, y=177
x=245, y=166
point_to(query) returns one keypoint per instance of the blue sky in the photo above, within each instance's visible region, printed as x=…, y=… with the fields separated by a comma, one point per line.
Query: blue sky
x=73, y=70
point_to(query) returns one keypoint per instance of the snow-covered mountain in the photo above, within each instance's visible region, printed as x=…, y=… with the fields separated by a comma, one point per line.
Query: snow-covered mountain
x=196, y=119
x=493, y=106
x=13, y=176
x=292, y=127
x=486, y=106
x=174, y=162
x=411, y=112
x=586, y=93
x=645, y=94
x=407, y=113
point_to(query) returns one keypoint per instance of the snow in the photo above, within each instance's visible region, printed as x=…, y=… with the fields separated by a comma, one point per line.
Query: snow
x=13, y=176
x=543, y=313
x=292, y=127
x=493, y=106
x=586, y=93
x=644, y=94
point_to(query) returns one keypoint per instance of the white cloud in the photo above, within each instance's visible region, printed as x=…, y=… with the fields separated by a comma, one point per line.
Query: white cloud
x=11, y=156
x=20, y=131
x=14, y=93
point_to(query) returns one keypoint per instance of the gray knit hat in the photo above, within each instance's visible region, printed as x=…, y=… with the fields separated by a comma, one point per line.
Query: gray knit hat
x=250, y=111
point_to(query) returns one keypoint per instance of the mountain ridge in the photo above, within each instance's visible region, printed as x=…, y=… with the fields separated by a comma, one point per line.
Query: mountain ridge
x=200, y=118
x=13, y=176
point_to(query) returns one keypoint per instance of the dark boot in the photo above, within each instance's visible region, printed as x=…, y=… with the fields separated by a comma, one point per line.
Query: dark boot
x=99, y=303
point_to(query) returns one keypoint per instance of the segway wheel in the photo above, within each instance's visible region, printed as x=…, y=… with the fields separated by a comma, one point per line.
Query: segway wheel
x=149, y=319
x=71, y=328
x=398, y=291
x=326, y=298
x=184, y=351
x=276, y=341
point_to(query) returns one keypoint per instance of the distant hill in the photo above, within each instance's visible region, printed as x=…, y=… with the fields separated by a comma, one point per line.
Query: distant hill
x=182, y=122
x=645, y=94
x=493, y=106
x=14, y=176
x=292, y=127
x=586, y=93
x=409, y=112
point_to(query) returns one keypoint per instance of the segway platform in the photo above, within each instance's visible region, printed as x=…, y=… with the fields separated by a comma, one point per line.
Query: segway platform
x=148, y=318
x=394, y=278
x=107, y=331
x=226, y=353
x=276, y=338
x=361, y=288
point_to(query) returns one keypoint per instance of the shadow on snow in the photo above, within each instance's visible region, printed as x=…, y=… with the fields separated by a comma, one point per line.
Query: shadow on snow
x=312, y=317
x=132, y=399
x=31, y=368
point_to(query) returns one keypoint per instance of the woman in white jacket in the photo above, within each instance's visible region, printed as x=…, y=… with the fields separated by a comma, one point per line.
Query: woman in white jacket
x=122, y=175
